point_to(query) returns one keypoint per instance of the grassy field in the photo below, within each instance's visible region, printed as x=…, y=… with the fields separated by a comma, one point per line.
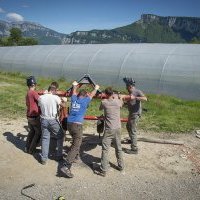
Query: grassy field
x=164, y=113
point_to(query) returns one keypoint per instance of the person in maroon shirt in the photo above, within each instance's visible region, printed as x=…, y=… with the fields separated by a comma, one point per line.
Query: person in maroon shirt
x=33, y=116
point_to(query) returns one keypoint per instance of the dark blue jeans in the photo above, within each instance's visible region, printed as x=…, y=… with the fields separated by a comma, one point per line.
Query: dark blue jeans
x=51, y=126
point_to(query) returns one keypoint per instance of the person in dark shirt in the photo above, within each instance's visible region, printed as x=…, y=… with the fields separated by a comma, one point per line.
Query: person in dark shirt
x=33, y=116
x=135, y=110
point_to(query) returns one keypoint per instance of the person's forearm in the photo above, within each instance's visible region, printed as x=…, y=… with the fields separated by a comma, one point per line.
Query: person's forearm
x=74, y=90
x=141, y=98
x=92, y=94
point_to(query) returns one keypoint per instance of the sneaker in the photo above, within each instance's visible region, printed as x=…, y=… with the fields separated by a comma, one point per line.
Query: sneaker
x=131, y=151
x=67, y=172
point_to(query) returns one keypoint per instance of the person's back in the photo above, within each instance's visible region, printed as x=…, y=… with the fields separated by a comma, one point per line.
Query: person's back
x=49, y=105
x=78, y=108
x=112, y=132
x=112, y=113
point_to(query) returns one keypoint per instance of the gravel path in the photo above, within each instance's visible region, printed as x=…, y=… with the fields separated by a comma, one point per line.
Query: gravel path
x=159, y=171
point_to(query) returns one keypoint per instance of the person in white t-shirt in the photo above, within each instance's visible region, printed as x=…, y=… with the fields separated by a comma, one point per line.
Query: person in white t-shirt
x=49, y=104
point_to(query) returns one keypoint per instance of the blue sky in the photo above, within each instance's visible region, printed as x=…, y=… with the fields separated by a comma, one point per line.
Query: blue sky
x=67, y=16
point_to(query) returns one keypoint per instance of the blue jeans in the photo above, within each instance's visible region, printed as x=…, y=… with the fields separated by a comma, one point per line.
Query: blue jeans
x=51, y=126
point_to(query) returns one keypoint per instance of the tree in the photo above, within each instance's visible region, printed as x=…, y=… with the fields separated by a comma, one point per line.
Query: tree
x=15, y=36
x=16, y=39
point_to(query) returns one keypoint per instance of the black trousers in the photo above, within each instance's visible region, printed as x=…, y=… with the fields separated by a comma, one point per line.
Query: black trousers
x=34, y=134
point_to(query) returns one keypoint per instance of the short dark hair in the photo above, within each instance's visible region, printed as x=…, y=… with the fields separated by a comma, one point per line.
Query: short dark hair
x=109, y=91
x=55, y=84
x=82, y=93
x=52, y=88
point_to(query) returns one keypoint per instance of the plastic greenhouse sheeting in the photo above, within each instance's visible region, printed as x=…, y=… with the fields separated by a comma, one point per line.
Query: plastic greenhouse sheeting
x=172, y=69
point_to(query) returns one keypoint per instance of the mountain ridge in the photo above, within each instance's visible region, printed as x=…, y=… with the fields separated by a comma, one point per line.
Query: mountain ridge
x=149, y=28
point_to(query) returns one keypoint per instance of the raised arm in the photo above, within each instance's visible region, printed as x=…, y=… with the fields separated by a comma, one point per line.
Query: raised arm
x=91, y=95
x=74, y=88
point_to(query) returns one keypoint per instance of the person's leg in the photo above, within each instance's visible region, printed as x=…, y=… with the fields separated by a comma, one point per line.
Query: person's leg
x=30, y=135
x=132, y=130
x=76, y=131
x=45, y=140
x=37, y=135
x=106, y=142
x=118, y=148
x=57, y=131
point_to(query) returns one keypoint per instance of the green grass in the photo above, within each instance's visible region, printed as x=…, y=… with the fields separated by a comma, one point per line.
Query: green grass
x=164, y=113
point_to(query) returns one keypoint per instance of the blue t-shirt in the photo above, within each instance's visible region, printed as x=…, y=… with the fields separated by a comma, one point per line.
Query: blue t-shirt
x=78, y=108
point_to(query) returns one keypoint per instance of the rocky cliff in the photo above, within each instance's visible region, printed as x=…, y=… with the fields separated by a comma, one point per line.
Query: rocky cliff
x=149, y=28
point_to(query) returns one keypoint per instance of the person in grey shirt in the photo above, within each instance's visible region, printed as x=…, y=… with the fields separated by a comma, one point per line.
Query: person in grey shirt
x=112, y=132
x=135, y=110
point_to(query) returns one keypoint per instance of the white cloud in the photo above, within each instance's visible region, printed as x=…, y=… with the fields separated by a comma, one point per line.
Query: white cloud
x=2, y=10
x=14, y=17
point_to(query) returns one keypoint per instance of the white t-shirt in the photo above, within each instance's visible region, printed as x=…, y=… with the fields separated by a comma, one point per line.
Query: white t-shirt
x=49, y=104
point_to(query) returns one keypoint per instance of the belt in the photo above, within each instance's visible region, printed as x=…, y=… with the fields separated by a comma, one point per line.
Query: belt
x=32, y=117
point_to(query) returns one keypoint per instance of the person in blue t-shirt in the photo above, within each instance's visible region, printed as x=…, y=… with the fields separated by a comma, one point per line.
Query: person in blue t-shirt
x=79, y=104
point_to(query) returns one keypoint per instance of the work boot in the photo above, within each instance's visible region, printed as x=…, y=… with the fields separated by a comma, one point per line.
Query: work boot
x=101, y=173
x=67, y=172
x=120, y=168
x=131, y=151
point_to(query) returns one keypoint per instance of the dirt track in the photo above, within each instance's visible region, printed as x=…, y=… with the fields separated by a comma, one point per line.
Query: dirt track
x=159, y=171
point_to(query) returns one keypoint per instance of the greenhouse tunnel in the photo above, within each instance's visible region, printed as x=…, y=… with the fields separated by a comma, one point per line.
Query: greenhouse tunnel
x=172, y=69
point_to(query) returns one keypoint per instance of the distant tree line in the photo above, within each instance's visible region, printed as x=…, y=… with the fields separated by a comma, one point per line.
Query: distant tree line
x=16, y=39
x=195, y=40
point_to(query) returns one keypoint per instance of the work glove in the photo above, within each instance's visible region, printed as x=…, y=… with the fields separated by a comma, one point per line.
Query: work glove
x=74, y=83
x=96, y=87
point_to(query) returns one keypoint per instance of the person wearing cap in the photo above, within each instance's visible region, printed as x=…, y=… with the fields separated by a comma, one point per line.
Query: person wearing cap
x=49, y=104
x=112, y=132
x=33, y=116
x=79, y=104
x=135, y=110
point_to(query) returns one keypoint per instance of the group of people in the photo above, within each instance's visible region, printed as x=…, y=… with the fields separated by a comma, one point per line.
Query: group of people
x=43, y=122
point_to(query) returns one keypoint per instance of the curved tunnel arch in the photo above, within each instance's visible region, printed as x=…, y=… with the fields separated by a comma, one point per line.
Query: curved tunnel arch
x=172, y=69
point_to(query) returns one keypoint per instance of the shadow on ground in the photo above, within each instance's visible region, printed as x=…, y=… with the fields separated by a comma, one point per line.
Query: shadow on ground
x=18, y=141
